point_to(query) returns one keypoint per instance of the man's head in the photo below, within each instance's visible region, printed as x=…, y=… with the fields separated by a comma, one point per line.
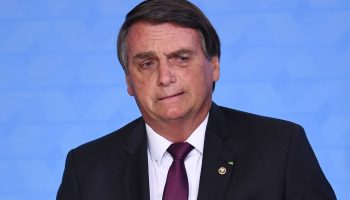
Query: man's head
x=170, y=54
x=180, y=12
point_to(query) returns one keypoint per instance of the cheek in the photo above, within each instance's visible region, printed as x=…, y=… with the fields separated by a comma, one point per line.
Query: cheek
x=140, y=88
x=196, y=75
x=207, y=74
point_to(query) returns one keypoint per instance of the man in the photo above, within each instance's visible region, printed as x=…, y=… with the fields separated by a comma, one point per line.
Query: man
x=170, y=54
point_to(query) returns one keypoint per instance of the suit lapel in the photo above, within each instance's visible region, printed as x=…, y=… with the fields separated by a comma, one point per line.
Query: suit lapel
x=135, y=170
x=218, y=159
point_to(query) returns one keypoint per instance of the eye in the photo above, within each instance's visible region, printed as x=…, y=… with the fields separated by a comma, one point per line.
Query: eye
x=182, y=59
x=147, y=64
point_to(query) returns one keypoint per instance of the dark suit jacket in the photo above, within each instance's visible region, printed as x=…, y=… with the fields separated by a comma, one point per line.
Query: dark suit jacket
x=271, y=158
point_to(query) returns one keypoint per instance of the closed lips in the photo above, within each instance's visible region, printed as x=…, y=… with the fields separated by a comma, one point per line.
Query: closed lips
x=169, y=96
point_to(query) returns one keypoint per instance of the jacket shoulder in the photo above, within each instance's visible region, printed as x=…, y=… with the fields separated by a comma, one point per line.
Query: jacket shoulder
x=252, y=127
x=259, y=121
x=112, y=143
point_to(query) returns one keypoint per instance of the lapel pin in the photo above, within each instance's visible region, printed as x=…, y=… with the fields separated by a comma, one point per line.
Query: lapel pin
x=230, y=162
x=222, y=170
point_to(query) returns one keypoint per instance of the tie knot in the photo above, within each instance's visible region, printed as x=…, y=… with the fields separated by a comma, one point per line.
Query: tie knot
x=179, y=151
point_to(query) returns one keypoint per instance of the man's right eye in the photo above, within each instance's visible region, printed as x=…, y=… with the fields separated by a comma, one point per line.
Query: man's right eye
x=147, y=64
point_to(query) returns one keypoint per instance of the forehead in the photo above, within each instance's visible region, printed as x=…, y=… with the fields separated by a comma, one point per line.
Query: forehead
x=151, y=35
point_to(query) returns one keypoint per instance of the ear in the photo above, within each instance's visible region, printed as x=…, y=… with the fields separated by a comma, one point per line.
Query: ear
x=129, y=85
x=216, y=68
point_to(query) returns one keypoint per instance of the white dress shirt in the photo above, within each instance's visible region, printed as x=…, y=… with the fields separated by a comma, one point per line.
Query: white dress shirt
x=159, y=161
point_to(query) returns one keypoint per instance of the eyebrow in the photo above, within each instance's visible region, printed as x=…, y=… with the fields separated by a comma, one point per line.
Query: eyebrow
x=179, y=52
x=144, y=55
x=150, y=54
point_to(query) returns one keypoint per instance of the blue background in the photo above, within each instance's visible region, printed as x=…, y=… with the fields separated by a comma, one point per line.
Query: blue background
x=61, y=84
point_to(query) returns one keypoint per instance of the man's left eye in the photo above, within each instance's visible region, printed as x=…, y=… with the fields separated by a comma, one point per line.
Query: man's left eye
x=182, y=58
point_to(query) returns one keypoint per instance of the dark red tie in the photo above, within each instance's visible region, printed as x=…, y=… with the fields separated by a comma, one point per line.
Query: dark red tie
x=176, y=186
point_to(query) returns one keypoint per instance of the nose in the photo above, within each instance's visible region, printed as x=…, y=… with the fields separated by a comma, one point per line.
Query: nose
x=166, y=74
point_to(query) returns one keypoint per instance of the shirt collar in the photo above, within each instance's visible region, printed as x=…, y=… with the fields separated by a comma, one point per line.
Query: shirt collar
x=157, y=144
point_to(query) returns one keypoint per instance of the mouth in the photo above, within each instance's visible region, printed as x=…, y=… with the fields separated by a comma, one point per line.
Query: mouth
x=170, y=96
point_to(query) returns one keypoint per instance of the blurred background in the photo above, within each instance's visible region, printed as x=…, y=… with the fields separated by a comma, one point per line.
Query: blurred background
x=61, y=84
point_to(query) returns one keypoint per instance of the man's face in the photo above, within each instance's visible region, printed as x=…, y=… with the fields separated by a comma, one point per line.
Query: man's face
x=169, y=74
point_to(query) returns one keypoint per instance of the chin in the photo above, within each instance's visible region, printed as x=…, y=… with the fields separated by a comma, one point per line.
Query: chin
x=173, y=115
